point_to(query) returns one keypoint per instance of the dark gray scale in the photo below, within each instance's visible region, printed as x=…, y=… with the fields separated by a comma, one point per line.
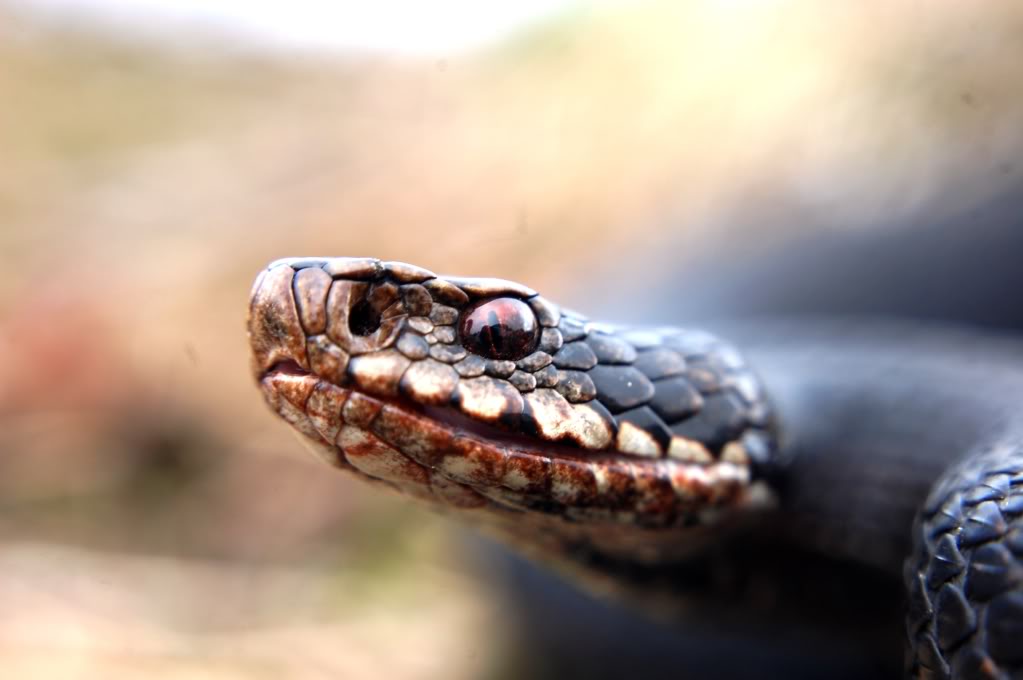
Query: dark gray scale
x=705, y=374
x=955, y=619
x=660, y=362
x=948, y=517
x=645, y=419
x=571, y=329
x=984, y=523
x=722, y=418
x=676, y=399
x=1013, y=505
x=948, y=562
x=610, y=349
x=620, y=388
x=993, y=570
x=575, y=355
x=994, y=488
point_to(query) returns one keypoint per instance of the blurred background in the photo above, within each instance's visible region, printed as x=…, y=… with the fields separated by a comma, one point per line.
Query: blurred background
x=155, y=519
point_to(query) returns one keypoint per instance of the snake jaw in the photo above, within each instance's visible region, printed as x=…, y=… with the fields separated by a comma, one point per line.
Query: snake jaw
x=437, y=458
x=369, y=360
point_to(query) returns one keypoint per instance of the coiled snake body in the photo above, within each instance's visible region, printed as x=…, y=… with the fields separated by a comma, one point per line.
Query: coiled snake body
x=663, y=458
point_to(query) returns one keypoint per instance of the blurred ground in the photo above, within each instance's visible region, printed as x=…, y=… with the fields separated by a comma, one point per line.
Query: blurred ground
x=153, y=517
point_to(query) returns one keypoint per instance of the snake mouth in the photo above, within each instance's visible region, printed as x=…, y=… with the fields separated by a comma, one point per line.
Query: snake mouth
x=437, y=454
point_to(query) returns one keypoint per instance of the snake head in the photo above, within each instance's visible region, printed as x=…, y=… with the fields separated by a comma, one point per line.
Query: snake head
x=480, y=393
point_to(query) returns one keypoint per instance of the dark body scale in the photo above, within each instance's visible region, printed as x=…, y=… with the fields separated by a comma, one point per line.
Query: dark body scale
x=850, y=350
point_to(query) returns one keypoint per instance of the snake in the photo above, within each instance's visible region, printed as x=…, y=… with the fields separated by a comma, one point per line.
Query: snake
x=669, y=463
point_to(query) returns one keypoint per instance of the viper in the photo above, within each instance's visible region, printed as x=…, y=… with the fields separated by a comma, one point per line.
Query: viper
x=784, y=473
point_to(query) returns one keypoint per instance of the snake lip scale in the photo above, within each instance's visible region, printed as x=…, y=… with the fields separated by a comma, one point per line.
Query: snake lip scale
x=577, y=438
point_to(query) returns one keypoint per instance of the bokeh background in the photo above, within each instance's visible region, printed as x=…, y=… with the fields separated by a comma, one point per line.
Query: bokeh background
x=155, y=519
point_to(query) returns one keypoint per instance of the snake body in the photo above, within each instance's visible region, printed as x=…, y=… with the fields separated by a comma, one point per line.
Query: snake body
x=660, y=456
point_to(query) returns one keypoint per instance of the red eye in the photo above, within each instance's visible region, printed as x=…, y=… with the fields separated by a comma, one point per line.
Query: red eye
x=504, y=328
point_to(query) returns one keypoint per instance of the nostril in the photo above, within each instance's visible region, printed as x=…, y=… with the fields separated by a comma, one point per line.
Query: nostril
x=363, y=319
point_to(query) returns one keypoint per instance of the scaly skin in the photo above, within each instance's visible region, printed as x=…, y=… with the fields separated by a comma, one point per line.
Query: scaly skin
x=632, y=452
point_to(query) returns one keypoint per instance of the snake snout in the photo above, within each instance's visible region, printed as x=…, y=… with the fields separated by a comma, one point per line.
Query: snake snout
x=276, y=336
x=301, y=316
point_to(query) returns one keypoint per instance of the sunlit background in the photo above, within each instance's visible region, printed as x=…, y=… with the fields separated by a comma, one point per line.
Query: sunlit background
x=155, y=519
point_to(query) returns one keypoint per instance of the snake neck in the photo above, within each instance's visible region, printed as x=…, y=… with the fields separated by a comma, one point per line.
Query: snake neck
x=870, y=425
x=869, y=429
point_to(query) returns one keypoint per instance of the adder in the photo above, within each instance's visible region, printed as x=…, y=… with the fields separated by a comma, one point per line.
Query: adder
x=780, y=472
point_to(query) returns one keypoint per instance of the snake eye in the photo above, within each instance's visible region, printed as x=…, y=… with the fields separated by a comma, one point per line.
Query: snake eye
x=503, y=328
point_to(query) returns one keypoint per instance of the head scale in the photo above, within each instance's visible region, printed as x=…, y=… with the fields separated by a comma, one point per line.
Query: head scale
x=480, y=393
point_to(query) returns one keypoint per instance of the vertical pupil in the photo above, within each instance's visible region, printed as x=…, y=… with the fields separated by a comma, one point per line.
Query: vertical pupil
x=493, y=330
x=504, y=328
